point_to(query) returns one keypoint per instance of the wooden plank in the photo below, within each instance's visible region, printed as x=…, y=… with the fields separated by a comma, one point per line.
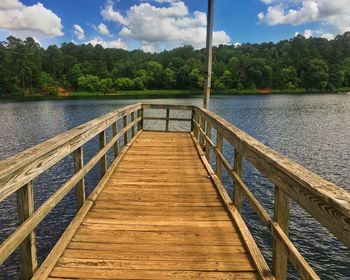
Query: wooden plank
x=25, y=208
x=80, y=187
x=116, y=145
x=125, y=123
x=263, y=269
x=280, y=257
x=167, y=119
x=99, y=273
x=48, y=264
x=219, y=143
x=151, y=218
x=238, y=168
x=16, y=238
x=326, y=202
x=20, y=169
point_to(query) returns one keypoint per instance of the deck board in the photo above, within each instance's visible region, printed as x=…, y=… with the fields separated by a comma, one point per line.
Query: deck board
x=158, y=217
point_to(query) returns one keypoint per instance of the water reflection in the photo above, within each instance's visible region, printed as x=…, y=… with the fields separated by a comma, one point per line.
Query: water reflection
x=310, y=129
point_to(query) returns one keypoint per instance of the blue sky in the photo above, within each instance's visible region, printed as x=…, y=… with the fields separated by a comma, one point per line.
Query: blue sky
x=153, y=25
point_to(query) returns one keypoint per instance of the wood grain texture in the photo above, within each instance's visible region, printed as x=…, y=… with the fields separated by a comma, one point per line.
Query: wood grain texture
x=22, y=168
x=25, y=208
x=78, y=157
x=326, y=202
x=159, y=215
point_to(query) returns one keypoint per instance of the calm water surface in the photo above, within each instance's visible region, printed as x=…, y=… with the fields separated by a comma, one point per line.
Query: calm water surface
x=313, y=130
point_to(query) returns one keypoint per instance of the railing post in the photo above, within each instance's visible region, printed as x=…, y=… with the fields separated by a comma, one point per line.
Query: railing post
x=167, y=120
x=142, y=119
x=280, y=258
x=207, y=146
x=192, y=120
x=25, y=206
x=115, y=146
x=139, y=123
x=219, y=143
x=80, y=187
x=202, y=138
x=125, y=123
x=133, y=127
x=103, y=161
x=237, y=192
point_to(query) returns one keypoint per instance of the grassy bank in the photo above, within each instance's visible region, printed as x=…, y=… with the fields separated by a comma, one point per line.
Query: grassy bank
x=144, y=94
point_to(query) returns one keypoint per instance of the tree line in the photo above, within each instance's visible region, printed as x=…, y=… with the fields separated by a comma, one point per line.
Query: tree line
x=296, y=64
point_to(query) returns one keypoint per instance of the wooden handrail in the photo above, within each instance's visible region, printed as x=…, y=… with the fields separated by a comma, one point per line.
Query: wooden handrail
x=22, y=168
x=17, y=173
x=326, y=202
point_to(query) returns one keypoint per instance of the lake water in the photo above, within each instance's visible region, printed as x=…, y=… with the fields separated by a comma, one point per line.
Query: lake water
x=313, y=130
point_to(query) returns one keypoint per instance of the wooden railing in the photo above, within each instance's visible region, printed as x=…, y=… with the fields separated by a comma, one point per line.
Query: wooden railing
x=17, y=174
x=327, y=203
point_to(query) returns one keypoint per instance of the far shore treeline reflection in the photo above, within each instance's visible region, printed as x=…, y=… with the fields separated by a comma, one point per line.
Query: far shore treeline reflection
x=295, y=65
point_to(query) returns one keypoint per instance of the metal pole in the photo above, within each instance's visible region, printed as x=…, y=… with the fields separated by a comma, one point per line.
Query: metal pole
x=209, y=57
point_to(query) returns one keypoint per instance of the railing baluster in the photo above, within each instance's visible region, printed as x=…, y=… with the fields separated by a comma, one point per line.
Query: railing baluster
x=103, y=161
x=238, y=168
x=133, y=127
x=115, y=146
x=80, y=187
x=280, y=258
x=25, y=207
x=125, y=123
x=219, y=143
x=207, y=145
x=142, y=118
x=167, y=120
x=192, y=121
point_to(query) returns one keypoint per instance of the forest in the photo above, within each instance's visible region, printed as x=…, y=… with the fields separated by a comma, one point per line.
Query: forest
x=295, y=65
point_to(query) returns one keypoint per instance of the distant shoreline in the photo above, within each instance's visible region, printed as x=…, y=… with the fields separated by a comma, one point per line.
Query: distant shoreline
x=152, y=94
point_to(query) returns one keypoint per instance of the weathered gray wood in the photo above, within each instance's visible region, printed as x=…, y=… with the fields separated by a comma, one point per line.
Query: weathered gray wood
x=168, y=106
x=133, y=128
x=327, y=203
x=80, y=187
x=167, y=119
x=263, y=269
x=219, y=143
x=116, y=145
x=25, y=207
x=164, y=119
x=103, y=161
x=142, y=115
x=48, y=264
x=207, y=144
x=192, y=120
x=238, y=168
x=125, y=123
x=16, y=238
x=22, y=168
x=280, y=257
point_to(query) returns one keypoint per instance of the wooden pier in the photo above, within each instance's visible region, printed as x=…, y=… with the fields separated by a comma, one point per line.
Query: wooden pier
x=160, y=211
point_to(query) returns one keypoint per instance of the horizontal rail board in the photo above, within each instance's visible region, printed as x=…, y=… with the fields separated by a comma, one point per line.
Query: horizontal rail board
x=20, y=169
x=168, y=106
x=326, y=202
x=16, y=238
x=167, y=119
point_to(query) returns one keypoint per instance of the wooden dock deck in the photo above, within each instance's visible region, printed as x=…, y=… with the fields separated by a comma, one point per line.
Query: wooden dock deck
x=160, y=210
x=158, y=217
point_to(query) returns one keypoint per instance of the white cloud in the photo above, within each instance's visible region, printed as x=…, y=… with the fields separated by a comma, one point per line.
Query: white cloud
x=332, y=13
x=316, y=33
x=167, y=26
x=78, y=32
x=35, y=21
x=109, y=14
x=103, y=29
x=116, y=44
